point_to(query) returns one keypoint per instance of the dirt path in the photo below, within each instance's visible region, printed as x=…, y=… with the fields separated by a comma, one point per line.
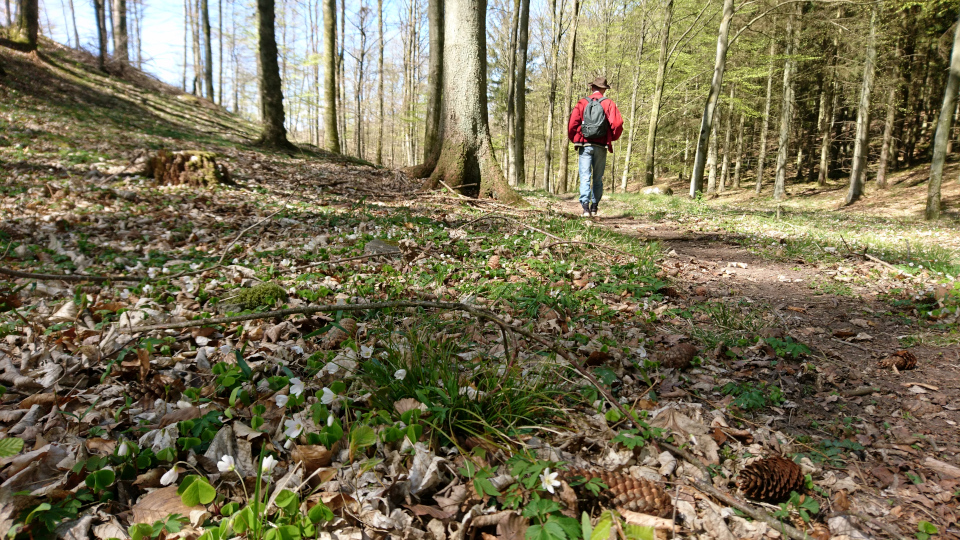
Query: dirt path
x=845, y=315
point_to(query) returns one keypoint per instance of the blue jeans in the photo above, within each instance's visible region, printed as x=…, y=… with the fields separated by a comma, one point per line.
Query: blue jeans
x=592, y=160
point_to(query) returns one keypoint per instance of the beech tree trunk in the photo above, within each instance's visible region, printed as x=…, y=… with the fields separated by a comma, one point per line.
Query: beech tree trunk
x=510, y=147
x=632, y=126
x=739, y=159
x=431, y=137
x=887, y=138
x=121, y=50
x=712, y=160
x=786, y=108
x=706, y=122
x=551, y=98
x=360, y=57
x=331, y=137
x=207, y=48
x=378, y=159
x=273, y=133
x=568, y=96
x=467, y=162
x=648, y=172
x=520, y=93
x=99, y=11
x=943, y=130
x=73, y=18
x=861, y=148
x=28, y=24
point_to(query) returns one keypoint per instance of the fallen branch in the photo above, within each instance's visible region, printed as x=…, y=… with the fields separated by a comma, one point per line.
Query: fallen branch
x=862, y=391
x=455, y=192
x=876, y=522
x=707, y=487
x=67, y=277
x=595, y=246
x=891, y=267
x=243, y=232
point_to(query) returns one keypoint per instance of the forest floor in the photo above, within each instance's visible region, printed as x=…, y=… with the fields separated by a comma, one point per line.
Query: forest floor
x=418, y=421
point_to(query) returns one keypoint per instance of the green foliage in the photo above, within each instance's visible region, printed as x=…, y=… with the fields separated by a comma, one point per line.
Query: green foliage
x=753, y=397
x=787, y=347
x=262, y=295
x=196, y=490
x=925, y=530
x=480, y=476
x=803, y=505
x=10, y=446
x=144, y=531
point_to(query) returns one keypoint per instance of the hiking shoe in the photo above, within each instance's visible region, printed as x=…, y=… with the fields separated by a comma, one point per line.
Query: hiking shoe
x=586, y=214
x=593, y=210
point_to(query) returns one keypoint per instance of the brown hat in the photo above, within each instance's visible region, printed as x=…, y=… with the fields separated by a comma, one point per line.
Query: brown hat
x=600, y=82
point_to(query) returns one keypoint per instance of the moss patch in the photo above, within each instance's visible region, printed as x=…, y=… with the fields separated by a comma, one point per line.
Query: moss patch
x=264, y=294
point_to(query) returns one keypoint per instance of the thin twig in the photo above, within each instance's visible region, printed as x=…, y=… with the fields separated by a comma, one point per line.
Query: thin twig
x=890, y=266
x=243, y=232
x=67, y=277
x=879, y=524
x=455, y=192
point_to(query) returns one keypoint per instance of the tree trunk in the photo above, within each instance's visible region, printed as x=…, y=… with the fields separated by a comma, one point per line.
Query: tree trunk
x=358, y=121
x=861, y=147
x=431, y=136
x=28, y=24
x=568, y=96
x=186, y=40
x=725, y=169
x=551, y=98
x=197, y=53
x=633, y=105
x=378, y=159
x=10, y=15
x=786, y=108
x=121, y=51
x=706, y=123
x=207, y=49
x=220, y=55
x=342, y=76
x=99, y=12
x=887, y=137
x=520, y=94
x=466, y=159
x=331, y=131
x=943, y=130
x=826, y=130
x=739, y=159
x=510, y=168
x=712, y=159
x=273, y=133
x=73, y=18
x=648, y=176
x=762, y=156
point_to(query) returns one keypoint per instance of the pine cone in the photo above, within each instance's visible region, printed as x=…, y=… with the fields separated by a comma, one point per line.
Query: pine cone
x=336, y=335
x=770, y=479
x=625, y=492
x=900, y=360
x=678, y=356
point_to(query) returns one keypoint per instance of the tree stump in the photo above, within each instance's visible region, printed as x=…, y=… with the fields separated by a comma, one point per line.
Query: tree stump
x=190, y=167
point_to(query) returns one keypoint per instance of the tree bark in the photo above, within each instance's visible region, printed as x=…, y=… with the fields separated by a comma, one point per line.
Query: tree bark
x=73, y=18
x=220, y=44
x=28, y=24
x=186, y=40
x=510, y=147
x=706, y=123
x=273, y=133
x=568, y=96
x=887, y=137
x=431, y=136
x=943, y=130
x=121, y=51
x=762, y=156
x=786, y=108
x=378, y=159
x=207, y=48
x=10, y=15
x=712, y=159
x=358, y=121
x=861, y=147
x=633, y=105
x=725, y=169
x=99, y=12
x=520, y=94
x=739, y=159
x=552, y=97
x=331, y=131
x=466, y=159
x=648, y=172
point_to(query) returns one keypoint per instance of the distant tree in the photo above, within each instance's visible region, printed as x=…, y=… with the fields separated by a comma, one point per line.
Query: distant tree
x=943, y=129
x=207, y=48
x=28, y=23
x=273, y=133
x=862, y=141
x=100, y=12
x=466, y=159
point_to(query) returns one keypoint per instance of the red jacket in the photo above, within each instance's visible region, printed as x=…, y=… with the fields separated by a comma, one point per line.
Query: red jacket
x=613, y=116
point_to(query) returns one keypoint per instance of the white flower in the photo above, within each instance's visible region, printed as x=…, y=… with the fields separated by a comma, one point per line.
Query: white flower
x=125, y=447
x=297, y=349
x=296, y=386
x=400, y=374
x=169, y=477
x=330, y=368
x=281, y=400
x=366, y=352
x=328, y=396
x=268, y=464
x=294, y=428
x=330, y=420
x=227, y=464
x=148, y=288
x=548, y=480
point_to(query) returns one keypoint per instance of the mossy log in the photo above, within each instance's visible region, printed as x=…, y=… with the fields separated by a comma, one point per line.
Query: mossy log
x=191, y=167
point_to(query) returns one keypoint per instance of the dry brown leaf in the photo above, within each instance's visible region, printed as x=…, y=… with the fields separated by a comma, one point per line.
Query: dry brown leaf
x=432, y=511
x=493, y=262
x=313, y=457
x=158, y=505
x=514, y=527
x=45, y=400
x=100, y=446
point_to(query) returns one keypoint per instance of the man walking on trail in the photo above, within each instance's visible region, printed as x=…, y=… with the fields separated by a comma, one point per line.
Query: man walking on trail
x=594, y=124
